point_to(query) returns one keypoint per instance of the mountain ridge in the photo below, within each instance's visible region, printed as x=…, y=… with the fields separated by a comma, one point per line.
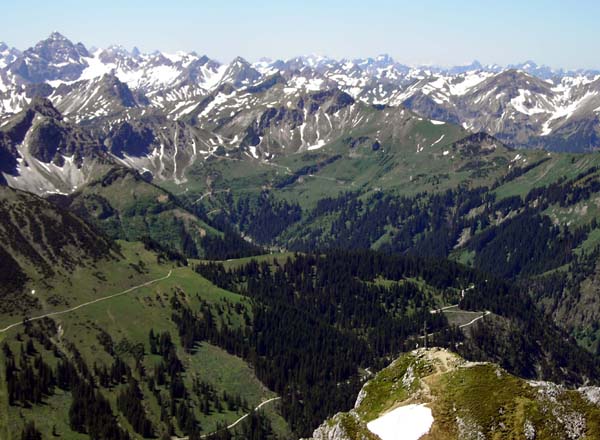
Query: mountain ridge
x=556, y=109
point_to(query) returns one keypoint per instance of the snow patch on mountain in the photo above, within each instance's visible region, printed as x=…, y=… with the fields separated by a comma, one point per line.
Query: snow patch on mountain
x=408, y=422
x=439, y=140
x=213, y=77
x=566, y=111
x=522, y=104
x=317, y=146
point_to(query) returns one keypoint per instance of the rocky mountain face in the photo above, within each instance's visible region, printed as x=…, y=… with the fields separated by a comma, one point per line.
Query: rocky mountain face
x=522, y=110
x=55, y=58
x=174, y=83
x=7, y=54
x=43, y=153
x=435, y=394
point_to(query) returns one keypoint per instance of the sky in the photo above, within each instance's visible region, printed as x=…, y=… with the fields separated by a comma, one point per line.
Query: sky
x=555, y=33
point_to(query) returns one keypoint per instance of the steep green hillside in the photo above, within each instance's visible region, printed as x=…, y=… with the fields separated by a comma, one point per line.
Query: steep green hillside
x=131, y=350
x=418, y=157
x=126, y=206
x=42, y=246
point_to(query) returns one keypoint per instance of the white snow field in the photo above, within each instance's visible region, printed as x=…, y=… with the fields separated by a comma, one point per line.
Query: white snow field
x=408, y=422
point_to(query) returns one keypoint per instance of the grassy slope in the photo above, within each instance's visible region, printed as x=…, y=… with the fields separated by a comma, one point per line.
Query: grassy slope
x=396, y=166
x=510, y=405
x=88, y=283
x=129, y=318
x=560, y=165
x=281, y=257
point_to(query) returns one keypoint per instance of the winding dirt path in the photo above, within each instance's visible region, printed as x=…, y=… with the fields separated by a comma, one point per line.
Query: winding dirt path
x=97, y=300
x=453, y=306
x=234, y=423
x=468, y=324
x=210, y=193
x=483, y=315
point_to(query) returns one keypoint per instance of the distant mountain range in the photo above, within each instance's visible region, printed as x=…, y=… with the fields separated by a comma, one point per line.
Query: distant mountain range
x=63, y=104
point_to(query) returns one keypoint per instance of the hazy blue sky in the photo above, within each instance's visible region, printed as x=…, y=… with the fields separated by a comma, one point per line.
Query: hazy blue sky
x=557, y=33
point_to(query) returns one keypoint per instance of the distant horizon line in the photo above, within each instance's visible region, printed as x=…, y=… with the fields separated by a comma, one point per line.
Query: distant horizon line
x=475, y=62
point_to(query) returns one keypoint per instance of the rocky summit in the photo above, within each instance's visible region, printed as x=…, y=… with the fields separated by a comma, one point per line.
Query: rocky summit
x=435, y=394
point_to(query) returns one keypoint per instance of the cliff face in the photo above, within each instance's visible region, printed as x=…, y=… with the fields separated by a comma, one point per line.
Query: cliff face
x=466, y=400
